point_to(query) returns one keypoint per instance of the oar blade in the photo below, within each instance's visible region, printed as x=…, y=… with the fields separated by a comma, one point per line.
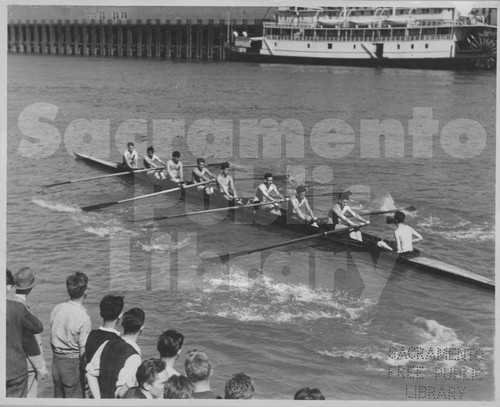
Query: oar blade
x=96, y=207
x=56, y=184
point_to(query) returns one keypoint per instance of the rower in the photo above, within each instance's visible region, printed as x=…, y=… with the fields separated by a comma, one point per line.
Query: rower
x=130, y=157
x=299, y=210
x=151, y=160
x=268, y=192
x=226, y=184
x=336, y=215
x=200, y=174
x=174, y=168
x=405, y=237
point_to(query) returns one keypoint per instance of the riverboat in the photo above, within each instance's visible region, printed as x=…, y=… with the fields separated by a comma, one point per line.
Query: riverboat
x=338, y=238
x=410, y=37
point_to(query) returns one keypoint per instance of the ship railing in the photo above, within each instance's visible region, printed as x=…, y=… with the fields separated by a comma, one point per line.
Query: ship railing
x=373, y=38
x=288, y=25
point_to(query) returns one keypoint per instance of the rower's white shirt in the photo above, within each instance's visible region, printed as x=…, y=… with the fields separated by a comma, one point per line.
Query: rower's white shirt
x=262, y=190
x=299, y=207
x=404, y=238
x=224, y=183
x=174, y=170
x=198, y=174
x=152, y=162
x=131, y=158
x=337, y=208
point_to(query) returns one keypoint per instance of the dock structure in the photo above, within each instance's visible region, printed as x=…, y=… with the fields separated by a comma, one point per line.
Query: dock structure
x=121, y=39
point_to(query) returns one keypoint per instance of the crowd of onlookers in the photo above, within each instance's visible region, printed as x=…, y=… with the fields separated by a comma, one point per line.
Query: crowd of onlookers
x=104, y=363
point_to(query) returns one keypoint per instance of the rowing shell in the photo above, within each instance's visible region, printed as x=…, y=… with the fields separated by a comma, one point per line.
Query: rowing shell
x=369, y=241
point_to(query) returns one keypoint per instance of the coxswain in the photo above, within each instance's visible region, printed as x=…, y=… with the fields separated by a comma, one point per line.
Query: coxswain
x=130, y=157
x=174, y=168
x=299, y=210
x=151, y=160
x=337, y=215
x=268, y=192
x=225, y=184
x=404, y=236
x=202, y=173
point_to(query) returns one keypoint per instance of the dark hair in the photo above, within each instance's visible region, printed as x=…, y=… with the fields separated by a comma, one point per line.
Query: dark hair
x=76, y=285
x=198, y=366
x=176, y=154
x=200, y=160
x=178, y=387
x=150, y=149
x=306, y=393
x=133, y=320
x=169, y=343
x=267, y=175
x=239, y=386
x=344, y=195
x=301, y=188
x=148, y=370
x=10, y=278
x=399, y=217
x=225, y=165
x=130, y=144
x=111, y=307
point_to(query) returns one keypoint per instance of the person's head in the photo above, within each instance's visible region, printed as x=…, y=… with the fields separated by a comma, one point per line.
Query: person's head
x=10, y=280
x=176, y=156
x=399, y=217
x=151, y=375
x=133, y=321
x=130, y=146
x=178, y=387
x=268, y=178
x=76, y=285
x=170, y=343
x=239, y=386
x=390, y=220
x=301, y=191
x=343, y=199
x=24, y=280
x=306, y=393
x=111, y=307
x=150, y=151
x=198, y=366
x=225, y=168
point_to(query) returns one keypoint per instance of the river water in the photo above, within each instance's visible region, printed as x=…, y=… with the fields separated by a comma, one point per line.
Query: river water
x=299, y=315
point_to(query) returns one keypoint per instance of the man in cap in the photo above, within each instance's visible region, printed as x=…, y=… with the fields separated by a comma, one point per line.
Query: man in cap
x=20, y=324
x=337, y=215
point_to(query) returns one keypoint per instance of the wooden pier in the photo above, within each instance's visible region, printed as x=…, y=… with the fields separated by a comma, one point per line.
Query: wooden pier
x=122, y=39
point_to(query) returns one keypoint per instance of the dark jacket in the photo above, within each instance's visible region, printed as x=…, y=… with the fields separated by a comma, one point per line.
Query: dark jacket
x=18, y=318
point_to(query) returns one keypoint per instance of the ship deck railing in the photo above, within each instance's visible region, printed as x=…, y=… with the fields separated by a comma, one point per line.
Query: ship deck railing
x=348, y=38
x=411, y=24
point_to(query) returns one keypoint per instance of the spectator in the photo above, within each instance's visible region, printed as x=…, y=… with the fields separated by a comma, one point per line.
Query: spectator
x=199, y=370
x=306, y=393
x=32, y=344
x=151, y=378
x=69, y=328
x=169, y=346
x=20, y=322
x=178, y=387
x=239, y=386
x=111, y=308
x=112, y=370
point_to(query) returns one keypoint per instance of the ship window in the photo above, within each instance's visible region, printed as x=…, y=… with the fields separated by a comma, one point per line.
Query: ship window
x=399, y=46
x=354, y=46
x=275, y=44
x=308, y=45
x=330, y=46
x=412, y=46
x=426, y=45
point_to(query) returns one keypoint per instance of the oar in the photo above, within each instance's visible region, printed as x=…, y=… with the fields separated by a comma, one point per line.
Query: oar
x=407, y=209
x=225, y=257
x=206, y=165
x=116, y=174
x=276, y=177
x=229, y=208
x=107, y=204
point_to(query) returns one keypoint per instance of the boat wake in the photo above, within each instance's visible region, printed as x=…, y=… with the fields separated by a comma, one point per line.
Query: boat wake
x=247, y=295
x=58, y=207
x=458, y=229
